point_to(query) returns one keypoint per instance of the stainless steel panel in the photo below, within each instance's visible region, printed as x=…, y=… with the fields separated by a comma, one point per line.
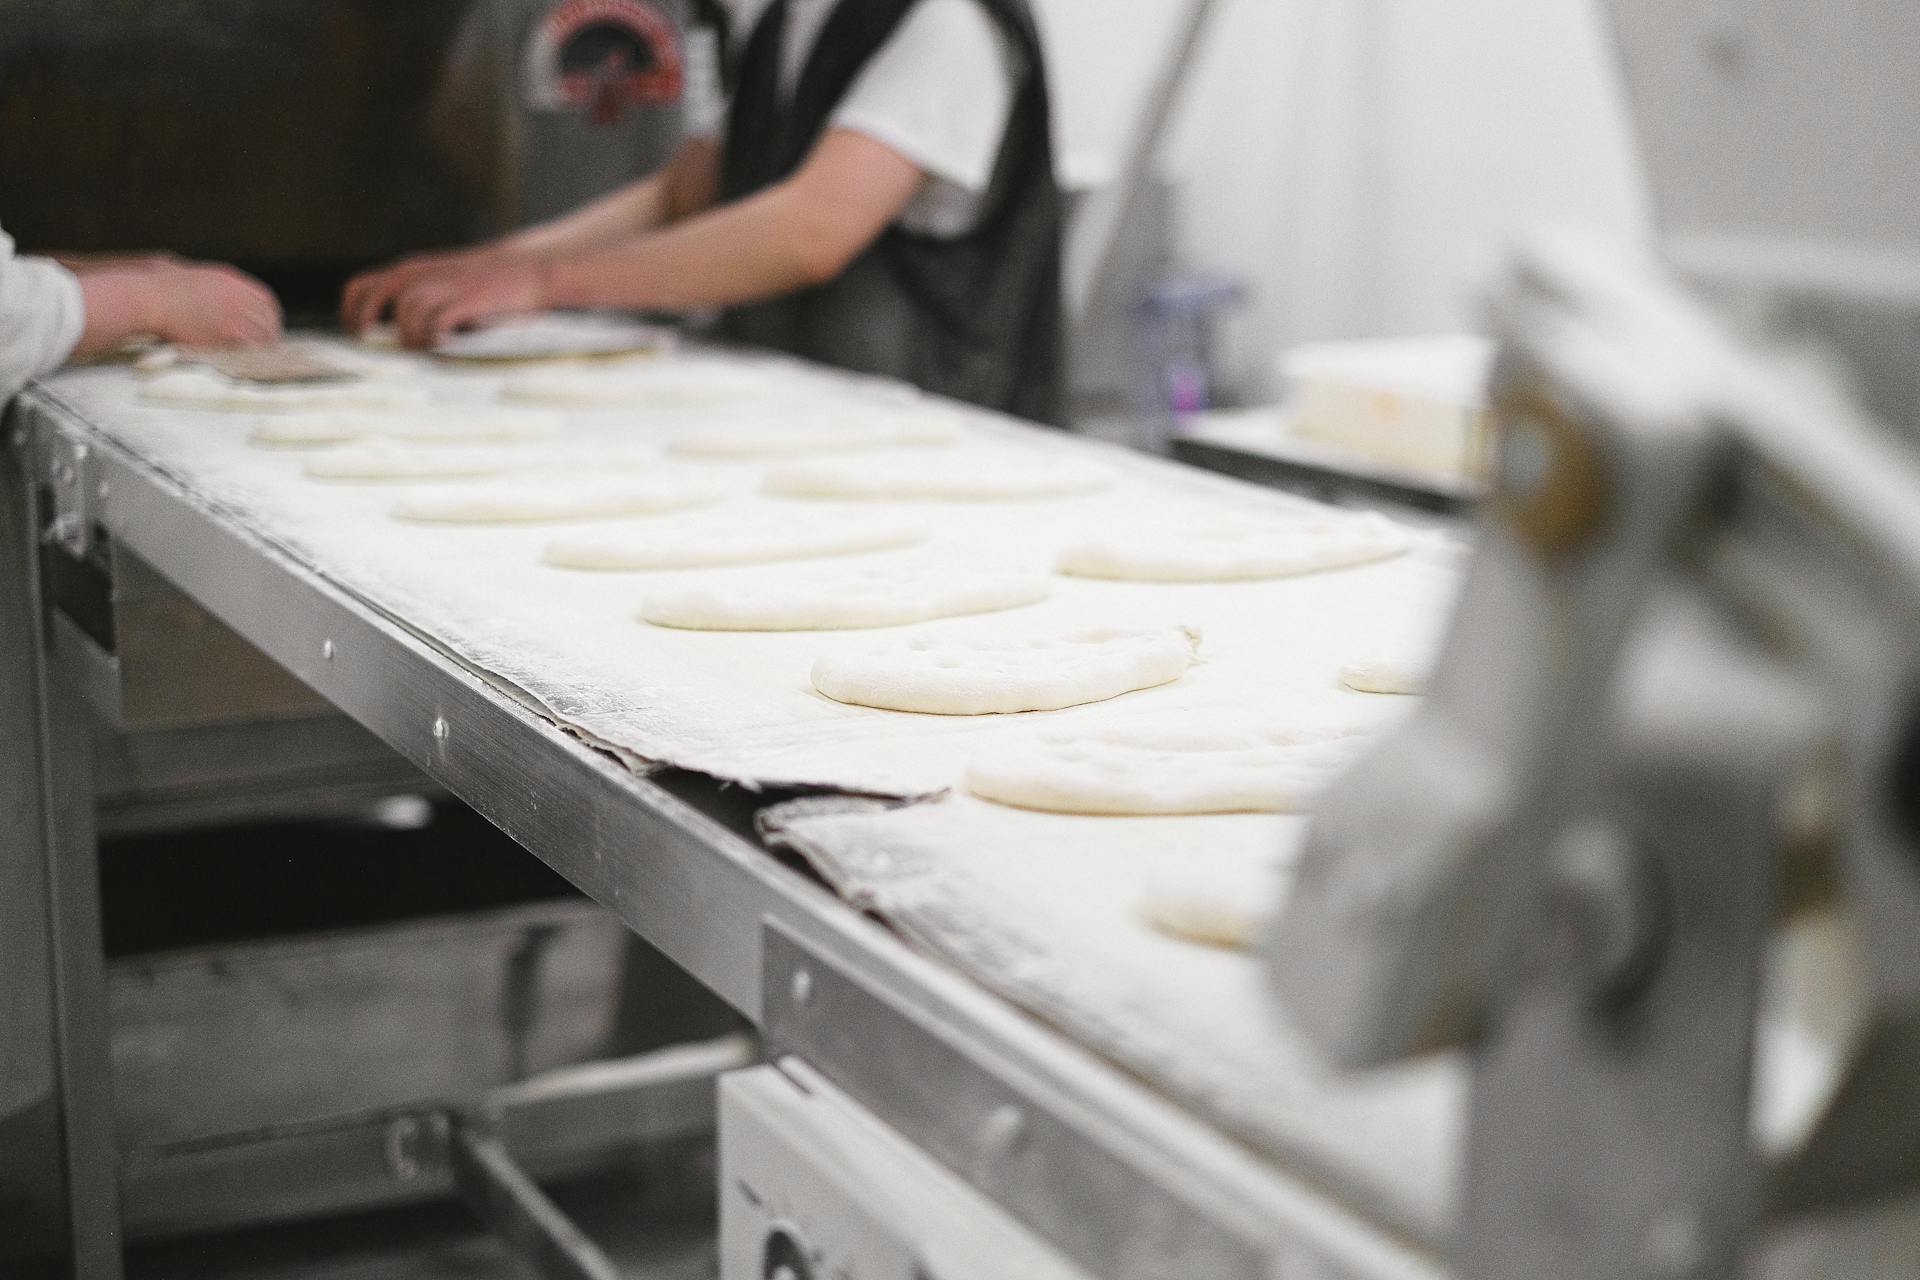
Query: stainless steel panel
x=805, y=1172
x=33, y=1199
x=180, y=666
x=1121, y=1207
x=56, y=1067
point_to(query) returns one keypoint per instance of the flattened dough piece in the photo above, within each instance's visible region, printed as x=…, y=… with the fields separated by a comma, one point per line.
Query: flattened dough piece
x=1401, y=658
x=399, y=460
x=1170, y=766
x=956, y=676
x=837, y=598
x=444, y=424
x=823, y=433
x=959, y=476
x=658, y=384
x=556, y=336
x=1221, y=904
x=1404, y=672
x=199, y=389
x=754, y=536
x=1233, y=546
x=540, y=499
x=382, y=459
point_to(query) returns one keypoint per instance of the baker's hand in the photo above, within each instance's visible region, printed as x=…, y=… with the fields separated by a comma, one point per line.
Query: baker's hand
x=210, y=304
x=194, y=303
x=435, y=304
x=369, y=295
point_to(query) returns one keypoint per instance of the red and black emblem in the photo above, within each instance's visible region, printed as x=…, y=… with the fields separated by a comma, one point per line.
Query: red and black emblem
x=601, y=57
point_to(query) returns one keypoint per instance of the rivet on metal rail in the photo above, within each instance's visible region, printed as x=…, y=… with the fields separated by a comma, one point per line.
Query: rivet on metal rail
x=801, y=987
x=440, y=728
x=326, y=650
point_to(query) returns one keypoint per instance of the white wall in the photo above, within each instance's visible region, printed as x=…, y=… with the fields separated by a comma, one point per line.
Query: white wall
x=1360, y=162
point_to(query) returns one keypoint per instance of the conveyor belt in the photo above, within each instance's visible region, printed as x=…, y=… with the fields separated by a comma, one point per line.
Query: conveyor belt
x=737, y=707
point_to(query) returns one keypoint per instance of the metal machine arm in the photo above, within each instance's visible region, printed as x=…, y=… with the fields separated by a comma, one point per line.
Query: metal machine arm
x=1678, y=701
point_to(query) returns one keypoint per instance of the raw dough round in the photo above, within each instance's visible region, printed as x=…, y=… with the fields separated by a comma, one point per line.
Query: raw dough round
x=199, y=389
x=1388, y=673
x=1233, y=546
x=529, y=500
x=399, y=460
x=1401, y=657
x=655, y=384
x=956, y=676
x=1219, y=904
x=815, y=434
x=1009, y=473
x=837, y=598
x=443, y=424
x=1190, y=765
x=555, y=336
x=732, y=537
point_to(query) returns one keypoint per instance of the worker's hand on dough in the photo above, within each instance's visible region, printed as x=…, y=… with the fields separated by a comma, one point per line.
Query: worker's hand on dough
x=194, y=303
x=437, y=303
x=369, y=295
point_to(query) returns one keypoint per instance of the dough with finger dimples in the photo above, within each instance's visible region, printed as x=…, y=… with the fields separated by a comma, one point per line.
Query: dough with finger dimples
x=474, y=424
x=815, y=434
x=990, y=675
x=755, y=536
x=1192, y=764
x=958, y=476
x=199, y=389
x=1233, y=546
x=531, y=500
x=836, y=598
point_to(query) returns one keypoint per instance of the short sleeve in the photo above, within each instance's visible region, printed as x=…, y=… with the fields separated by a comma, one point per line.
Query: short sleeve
x=940, y=92
x=41, y=315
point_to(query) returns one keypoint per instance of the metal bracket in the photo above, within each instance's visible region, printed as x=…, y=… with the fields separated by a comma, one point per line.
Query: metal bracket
x=1019, y=1142
x=67, y=469
x=489, y=1150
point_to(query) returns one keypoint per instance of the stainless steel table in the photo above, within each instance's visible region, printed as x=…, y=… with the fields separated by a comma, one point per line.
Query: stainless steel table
x=1111, y=1172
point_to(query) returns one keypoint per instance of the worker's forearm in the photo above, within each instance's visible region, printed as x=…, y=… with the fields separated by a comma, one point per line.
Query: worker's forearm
x=116, y=309
x=82, y=263
x=682, y=187
x=613, y=217
x=693, y=179
x=760, y=247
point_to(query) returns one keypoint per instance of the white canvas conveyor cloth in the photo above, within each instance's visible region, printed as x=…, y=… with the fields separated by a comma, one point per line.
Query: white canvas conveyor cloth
x=739, y=707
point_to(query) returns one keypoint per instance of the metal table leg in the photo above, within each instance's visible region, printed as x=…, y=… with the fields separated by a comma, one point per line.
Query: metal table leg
x=56, y=1103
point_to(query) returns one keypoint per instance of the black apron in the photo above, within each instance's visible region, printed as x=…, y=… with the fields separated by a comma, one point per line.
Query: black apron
x=977, y=317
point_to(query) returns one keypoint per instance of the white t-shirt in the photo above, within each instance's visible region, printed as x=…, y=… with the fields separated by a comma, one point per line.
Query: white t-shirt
x=41, y=313
x=939, y=92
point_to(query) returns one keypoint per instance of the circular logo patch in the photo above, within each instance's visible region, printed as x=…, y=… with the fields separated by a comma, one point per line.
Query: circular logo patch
x=601, y=57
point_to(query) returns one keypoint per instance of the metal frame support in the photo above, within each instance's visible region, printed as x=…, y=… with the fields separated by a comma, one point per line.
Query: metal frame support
x=49, y=860
x=512, y=1205
x=658, y=1090
x=1120, y=1204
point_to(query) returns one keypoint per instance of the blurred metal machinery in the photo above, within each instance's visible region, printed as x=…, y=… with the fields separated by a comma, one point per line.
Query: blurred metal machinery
x=1676, y=716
